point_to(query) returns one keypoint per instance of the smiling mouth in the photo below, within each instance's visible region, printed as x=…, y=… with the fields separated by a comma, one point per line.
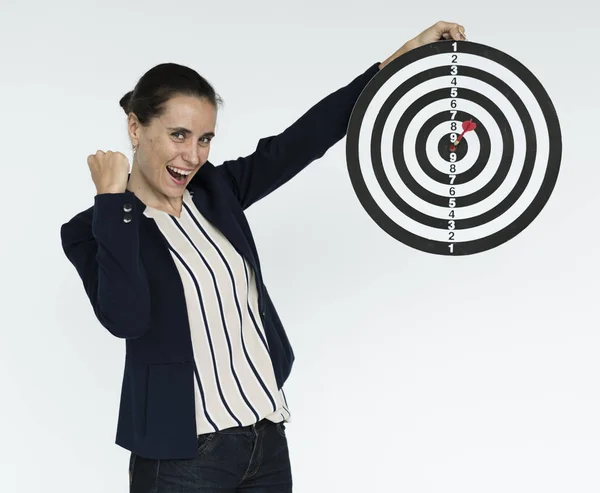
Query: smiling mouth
x=179, y=177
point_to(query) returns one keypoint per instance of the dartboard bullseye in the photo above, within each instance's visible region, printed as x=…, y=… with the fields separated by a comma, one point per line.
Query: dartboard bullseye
x=453, y=148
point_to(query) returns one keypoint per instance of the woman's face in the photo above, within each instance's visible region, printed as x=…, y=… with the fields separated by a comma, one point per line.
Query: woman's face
x=172, y=149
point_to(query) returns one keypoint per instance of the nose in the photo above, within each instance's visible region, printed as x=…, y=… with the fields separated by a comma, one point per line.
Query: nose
x=191, y=155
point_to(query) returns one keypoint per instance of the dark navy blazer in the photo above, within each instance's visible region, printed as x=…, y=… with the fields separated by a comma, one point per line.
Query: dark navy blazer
x=136, y=292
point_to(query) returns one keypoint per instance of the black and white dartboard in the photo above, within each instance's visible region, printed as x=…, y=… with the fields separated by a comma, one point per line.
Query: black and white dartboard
x=453, y=148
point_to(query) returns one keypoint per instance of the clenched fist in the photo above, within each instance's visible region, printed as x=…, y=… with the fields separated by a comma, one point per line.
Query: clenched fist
x=109, y=170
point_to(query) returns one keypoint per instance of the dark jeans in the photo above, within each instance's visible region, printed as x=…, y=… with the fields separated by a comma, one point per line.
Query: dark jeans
x=249, y=459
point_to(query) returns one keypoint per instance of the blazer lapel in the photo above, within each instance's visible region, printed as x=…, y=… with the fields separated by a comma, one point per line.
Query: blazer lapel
x=214, y=203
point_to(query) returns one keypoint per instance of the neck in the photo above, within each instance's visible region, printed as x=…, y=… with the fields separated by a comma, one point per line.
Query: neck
x=144, y=191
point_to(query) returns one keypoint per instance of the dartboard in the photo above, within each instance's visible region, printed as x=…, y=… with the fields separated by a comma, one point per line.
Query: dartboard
x=453, y=148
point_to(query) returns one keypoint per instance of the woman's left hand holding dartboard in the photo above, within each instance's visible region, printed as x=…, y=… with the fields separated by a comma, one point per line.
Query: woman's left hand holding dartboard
x=439, y=31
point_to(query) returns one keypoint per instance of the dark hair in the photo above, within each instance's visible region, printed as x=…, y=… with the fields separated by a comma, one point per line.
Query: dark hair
x=161, y=83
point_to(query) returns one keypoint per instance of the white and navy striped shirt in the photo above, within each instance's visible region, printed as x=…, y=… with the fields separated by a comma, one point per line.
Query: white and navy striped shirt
x=235, y=380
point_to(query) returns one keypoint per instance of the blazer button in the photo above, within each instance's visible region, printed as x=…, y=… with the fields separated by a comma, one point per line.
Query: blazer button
x=127, y=218
x=127, y=207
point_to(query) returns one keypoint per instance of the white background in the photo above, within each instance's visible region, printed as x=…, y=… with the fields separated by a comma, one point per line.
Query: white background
x=415, y=373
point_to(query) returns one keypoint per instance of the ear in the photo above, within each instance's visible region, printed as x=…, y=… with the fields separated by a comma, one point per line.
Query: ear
x=134, y=128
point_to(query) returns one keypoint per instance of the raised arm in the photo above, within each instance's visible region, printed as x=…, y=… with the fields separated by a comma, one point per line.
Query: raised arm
x=279, y=158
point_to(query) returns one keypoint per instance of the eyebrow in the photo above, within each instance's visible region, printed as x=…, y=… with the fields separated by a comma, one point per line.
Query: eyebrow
x=186, y=131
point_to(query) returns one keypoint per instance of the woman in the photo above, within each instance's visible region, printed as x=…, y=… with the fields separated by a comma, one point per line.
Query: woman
x=168, y=262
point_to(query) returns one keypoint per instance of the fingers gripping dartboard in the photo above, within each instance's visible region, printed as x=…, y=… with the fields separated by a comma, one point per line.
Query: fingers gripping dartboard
x=453, y=148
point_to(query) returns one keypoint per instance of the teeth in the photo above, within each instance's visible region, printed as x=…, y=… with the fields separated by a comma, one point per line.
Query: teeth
x=180, y=171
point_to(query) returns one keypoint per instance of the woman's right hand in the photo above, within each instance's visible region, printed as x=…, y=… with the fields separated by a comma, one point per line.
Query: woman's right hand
x=110, y=171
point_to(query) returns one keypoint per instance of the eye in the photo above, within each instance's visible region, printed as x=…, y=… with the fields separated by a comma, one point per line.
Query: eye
x=207, y=140
x=177, y=133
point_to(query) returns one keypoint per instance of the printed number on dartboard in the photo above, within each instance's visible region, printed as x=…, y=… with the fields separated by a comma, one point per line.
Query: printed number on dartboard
x=453, y=137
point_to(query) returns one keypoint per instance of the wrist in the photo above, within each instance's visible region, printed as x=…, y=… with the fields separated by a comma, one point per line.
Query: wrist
x=406, y=47
x=103, y=190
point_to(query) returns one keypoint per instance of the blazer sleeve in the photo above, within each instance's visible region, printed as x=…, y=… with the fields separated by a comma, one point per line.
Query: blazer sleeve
x=279, y=158
x=105, y=252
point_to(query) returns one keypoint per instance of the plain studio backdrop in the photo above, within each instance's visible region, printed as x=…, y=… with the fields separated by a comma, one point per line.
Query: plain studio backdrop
x=415, y=372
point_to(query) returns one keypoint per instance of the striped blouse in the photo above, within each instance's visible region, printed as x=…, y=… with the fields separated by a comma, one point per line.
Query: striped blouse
x=235, y=380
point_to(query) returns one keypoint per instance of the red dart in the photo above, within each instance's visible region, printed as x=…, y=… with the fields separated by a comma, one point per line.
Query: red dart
x=469, y=125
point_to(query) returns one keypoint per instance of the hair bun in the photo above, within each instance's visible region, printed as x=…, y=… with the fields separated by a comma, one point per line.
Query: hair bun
x=125, y=102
